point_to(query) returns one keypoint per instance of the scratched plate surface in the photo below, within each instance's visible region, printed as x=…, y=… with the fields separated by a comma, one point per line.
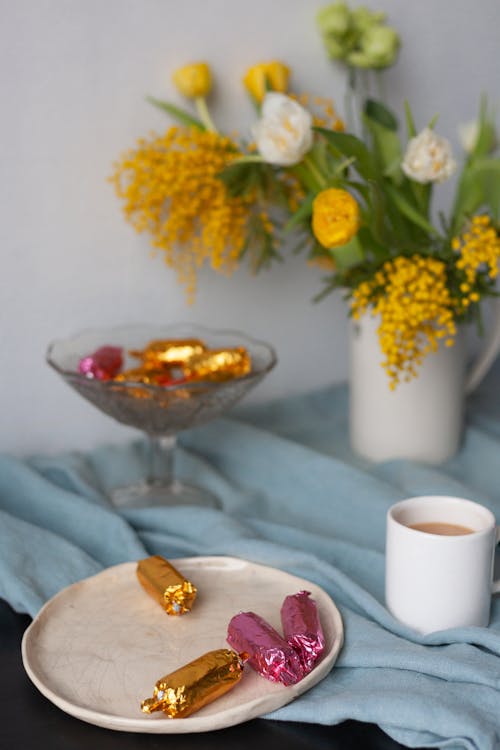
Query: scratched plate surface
x=98, y=647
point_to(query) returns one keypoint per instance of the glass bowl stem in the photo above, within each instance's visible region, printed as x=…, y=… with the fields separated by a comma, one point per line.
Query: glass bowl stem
x=161, y=460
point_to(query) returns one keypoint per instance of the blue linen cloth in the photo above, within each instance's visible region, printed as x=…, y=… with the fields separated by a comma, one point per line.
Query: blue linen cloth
x=294, y=497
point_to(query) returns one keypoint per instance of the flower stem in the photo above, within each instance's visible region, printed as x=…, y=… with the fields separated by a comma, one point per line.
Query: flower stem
x=381, y=86
x=350, y=100
x=313, y=169
x=204, y=114
x=248, y=158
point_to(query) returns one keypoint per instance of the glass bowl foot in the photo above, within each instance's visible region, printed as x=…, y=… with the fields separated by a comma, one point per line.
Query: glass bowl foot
x=156, y=494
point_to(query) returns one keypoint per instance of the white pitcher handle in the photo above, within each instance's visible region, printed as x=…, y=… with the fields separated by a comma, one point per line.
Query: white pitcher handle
x=496, y=584
x=490, y=350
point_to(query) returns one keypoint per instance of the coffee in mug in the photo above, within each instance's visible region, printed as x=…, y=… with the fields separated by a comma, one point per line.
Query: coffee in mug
x=438, y=527
x=439, y=562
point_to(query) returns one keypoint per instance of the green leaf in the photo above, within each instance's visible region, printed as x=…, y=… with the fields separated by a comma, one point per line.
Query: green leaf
x=258, y=246
x=403, y=233
x=411, y=212
x=371, y=245
x=479, y=187
x=378, y=212
x=332, y=283
x=486, y=137
x=342, y=167
x=410, y=124
x=350, y=146
x=387, y=148
x=486, y=140
x=422, y=193
x=242, y=177
x=348, y=255
x=492, y=193
x=380, y=114
x=433, y=121
x=179, y=114
x=305, y=177
x=319, y=155
x=303, y=243
x=303, y=212
x=359, y=187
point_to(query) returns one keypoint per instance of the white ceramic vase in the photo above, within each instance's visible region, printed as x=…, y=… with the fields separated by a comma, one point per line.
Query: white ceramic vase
x=420, y=420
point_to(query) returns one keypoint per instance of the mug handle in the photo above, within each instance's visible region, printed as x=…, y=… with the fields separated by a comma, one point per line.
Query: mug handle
x=490, y=350
x=495, y=588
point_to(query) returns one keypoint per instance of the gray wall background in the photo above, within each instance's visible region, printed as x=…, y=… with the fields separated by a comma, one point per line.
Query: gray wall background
x=73, y=75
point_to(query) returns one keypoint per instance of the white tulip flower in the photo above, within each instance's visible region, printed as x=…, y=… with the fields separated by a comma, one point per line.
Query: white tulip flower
x=428, y=158
x=468, y=134
x=284, y=132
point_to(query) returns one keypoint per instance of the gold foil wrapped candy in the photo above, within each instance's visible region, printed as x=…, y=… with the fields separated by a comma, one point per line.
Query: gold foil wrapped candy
x=169, y=363
x=146, y=375
x=166, y=585
x=193, y=686
x=219, y=364
x=170, y=351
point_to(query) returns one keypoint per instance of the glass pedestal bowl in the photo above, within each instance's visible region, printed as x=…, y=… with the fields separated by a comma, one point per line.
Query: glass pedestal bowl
x=161, y=412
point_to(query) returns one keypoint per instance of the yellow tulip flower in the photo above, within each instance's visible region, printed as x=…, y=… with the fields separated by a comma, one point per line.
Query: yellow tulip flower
x=194, y=81
x=336, y=217
x=272, y=75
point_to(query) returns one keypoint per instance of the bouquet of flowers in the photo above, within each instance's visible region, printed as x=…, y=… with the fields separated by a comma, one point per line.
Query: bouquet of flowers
x=360, y=206
x=190, y=190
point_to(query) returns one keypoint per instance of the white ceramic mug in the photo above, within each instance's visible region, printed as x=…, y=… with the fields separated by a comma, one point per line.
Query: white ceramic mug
x=433, y=581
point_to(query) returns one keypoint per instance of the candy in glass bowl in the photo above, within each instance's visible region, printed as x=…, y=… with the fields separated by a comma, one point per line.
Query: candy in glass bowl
x=161, y=380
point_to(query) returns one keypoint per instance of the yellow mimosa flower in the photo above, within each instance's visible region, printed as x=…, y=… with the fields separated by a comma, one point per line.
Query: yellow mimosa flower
x=416, y=310
x=169, y=188
x=193, y=80
x=259, y=78
x=336, y=217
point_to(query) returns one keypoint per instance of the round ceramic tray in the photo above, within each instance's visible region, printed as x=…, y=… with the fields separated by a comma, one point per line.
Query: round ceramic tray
x=97, y=648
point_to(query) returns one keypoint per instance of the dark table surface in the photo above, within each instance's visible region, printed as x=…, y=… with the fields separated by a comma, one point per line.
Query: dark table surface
x=29, y=720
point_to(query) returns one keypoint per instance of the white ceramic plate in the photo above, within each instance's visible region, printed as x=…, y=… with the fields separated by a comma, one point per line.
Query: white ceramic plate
x=97, y=648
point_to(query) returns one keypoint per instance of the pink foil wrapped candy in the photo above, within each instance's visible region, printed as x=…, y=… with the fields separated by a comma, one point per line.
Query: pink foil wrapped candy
x=103, y=364
x=269, y=654
x=302, y=628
